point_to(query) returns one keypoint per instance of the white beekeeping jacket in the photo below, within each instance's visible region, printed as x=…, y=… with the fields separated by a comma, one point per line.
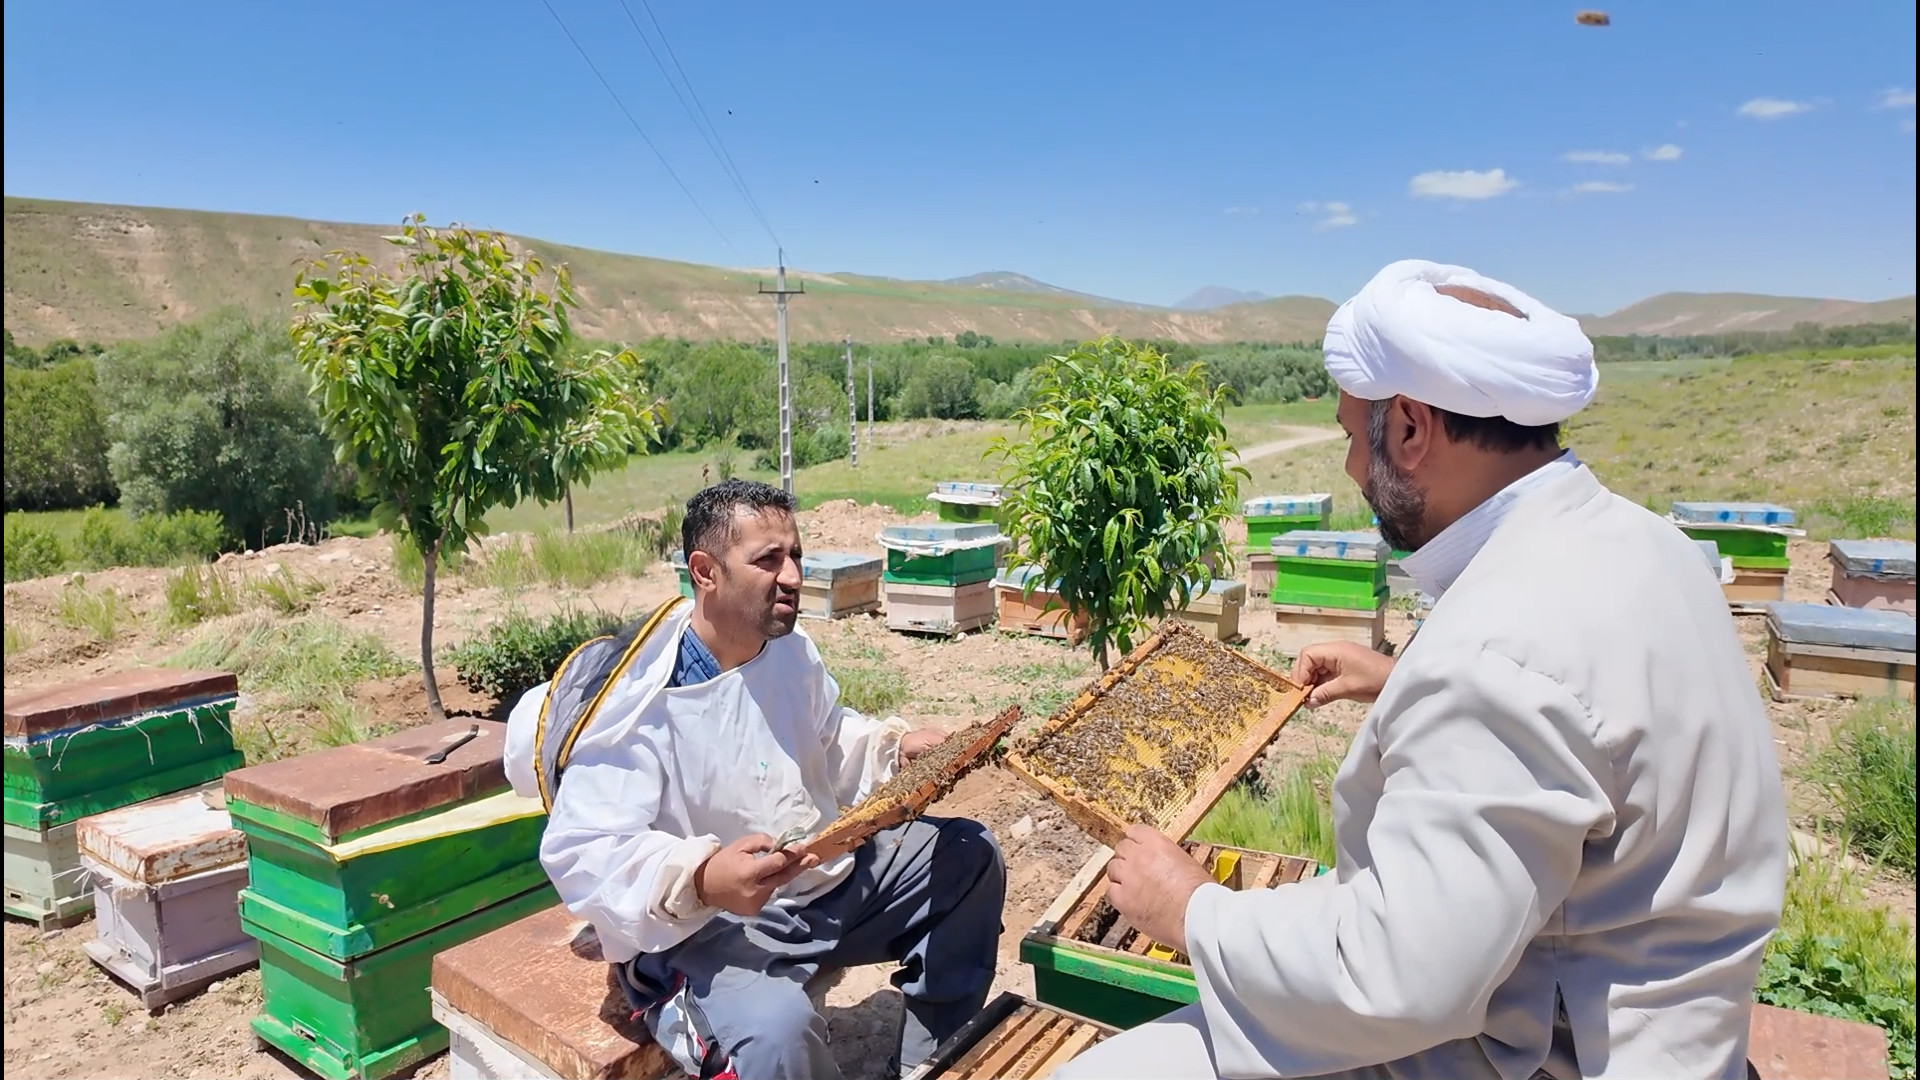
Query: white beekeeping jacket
x=663, y=776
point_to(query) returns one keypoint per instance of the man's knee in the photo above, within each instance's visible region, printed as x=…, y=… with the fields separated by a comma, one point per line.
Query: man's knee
x=775, y=1031
x=965, y=843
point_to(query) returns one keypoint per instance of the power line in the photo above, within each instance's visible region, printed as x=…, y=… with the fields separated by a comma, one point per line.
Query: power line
x=697, y=112
x=637, y=130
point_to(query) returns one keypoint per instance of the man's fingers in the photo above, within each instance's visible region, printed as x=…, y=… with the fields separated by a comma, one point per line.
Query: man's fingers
x=1335, y=689
x=754, y=843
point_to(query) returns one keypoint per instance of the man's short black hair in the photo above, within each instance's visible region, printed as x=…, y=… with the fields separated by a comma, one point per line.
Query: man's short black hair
x=1499, y=434
x=708, y=525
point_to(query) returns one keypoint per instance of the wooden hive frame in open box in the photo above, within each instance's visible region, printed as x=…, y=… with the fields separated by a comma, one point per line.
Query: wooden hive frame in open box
x=1012, y=1039
x=909, y=794
x=1165, y=655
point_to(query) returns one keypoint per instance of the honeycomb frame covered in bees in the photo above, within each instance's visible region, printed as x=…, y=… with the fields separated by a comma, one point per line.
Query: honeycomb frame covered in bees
x=914, y=788
x=1158, y=738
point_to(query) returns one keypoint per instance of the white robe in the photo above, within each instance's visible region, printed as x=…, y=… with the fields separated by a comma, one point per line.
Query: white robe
x=664, y=776
x=1568, y=785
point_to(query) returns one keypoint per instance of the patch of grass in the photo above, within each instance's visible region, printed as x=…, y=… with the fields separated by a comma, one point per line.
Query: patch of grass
x=576, y=561
x=19, y=639
x=1867, y=769
x=1047, y=685
x=871, y=691
x=411, y=570
x=1837, y=954
x=199, y=592
x=364, y=528
x=343, y=722
x=1860, y=516
x=1294, y=818
x=113, y=1012
x=304, y=663
x=286, y=592
x=99, y=613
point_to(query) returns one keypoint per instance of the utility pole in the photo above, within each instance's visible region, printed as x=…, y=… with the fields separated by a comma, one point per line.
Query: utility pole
x=869, y=403
x=780, y=292
x=853, y=411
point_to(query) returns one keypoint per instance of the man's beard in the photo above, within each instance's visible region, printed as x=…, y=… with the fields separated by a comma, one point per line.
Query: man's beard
x=777, y=625
x=1400, y=506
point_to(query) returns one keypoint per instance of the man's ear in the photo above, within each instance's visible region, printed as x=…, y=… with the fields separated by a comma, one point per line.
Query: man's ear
x=1413, y=432
x=702, y=568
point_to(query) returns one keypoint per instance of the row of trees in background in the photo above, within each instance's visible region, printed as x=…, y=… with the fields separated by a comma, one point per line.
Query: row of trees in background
x=1751, y=342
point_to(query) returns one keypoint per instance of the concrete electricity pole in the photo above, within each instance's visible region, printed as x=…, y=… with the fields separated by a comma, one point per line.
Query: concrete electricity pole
x=869, y=403
x=853, y=412
x=780, y=292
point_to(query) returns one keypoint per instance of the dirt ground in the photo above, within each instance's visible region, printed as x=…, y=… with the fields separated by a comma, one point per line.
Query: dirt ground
x=66, y=1019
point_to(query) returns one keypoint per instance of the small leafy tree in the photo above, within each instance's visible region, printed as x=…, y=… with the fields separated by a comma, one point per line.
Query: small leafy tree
x=1122, y=487
x=443, y=384
x=615, y=423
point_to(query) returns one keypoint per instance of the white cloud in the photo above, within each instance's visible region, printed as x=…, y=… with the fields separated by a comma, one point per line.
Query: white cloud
x=1596, y=157
x=1598, y=187
x=1663, y=152
x=1764, y=108
x=1895, y=98
x=1241, y=211
x=1464, y=184
x=1331, y=215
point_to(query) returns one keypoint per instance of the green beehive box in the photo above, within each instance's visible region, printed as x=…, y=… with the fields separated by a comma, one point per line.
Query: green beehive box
x=1086, y=961
x=100, y=744
x=1750, y=549
x=360, y=847
x=1330, y=569
x=949, y=553
x=967, y=503
x=368, y=1017
x=1268, y=516
x=681, y=574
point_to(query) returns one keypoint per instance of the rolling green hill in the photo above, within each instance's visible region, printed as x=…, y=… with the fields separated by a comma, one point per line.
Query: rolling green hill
x=1680, y=314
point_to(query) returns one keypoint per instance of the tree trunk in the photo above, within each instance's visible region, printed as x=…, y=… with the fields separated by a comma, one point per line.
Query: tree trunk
x=429, y=560
x=566, y=496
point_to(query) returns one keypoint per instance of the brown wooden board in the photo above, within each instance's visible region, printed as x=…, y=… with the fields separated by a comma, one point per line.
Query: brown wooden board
x=35, y=710
x=909, y=794
x=541, y=985
x=1174, y=663
x=1013, y=1039
x=349, y=788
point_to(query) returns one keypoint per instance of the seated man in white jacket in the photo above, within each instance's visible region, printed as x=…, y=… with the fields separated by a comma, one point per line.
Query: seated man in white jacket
x=723, y=733
x=1560, y=832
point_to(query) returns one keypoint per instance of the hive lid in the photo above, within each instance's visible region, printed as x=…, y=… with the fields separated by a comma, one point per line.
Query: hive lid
x=1016, y=577
x=350, y=788
x=943, y=531
x=678, y=559
x=1315, y=544
x=164, y=839
x=1842, y=627
x=832, y=565
x=1287, y=505
x=1732, y=513
x=1891, y=559
x=967, y=493
x=542, y=985
x=119, y=695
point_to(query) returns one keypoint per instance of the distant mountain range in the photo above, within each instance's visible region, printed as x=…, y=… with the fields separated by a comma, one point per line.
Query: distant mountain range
x=106, y=273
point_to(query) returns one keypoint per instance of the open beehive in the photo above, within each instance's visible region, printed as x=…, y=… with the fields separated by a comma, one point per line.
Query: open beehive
x=1087, y=958
x=917, y=786
x=1012, y=1039
x=1158, y=738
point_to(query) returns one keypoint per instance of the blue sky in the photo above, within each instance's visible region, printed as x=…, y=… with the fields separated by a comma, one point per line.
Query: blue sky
x=1131, y=150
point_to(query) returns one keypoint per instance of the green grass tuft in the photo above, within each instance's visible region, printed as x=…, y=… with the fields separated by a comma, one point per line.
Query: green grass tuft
x=99, y=613
x=871, y=691
x=306, y=663
x=1837, y=954
x=198, y=592
x=286, y=592
x=1294, y=818
x=1867, y=769
x=19, y=639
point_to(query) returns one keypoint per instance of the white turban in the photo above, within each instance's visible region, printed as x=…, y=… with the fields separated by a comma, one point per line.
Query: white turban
x=1400, y=337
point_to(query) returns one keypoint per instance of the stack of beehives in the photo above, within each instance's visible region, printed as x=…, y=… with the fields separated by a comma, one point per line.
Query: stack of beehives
x=98, y=745
x=1753, y=537
x=365, y=861
x=1270, y=516
x=939, y=578
x=1330, y=586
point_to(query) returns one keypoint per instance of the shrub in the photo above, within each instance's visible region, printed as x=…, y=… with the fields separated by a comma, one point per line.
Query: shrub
x=1837, y=954
x=152, y=540
x=32, y=550
x=215, y=416
x=56, y=438
x=942, y=388
x=1867, y=769
x=520, y=652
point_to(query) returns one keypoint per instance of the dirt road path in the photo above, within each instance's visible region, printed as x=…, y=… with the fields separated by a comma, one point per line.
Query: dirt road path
x=1300, y=437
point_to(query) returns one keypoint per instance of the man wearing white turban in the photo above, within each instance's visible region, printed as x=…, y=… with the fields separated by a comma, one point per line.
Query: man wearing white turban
x=1560, y=830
